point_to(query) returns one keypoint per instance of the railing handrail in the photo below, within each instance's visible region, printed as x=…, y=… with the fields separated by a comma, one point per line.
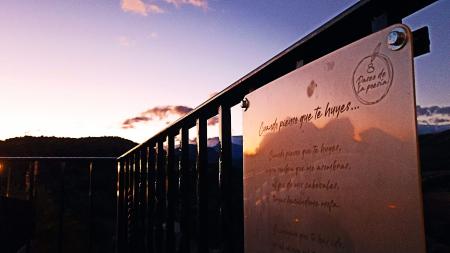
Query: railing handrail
x=349, y=19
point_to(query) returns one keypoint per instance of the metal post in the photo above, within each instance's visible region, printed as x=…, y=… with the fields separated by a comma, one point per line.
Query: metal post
x=171, y=201
x=128, y=203
x=91, y=208
x=202, y=166
x=186, y=190
x=150, y=198
x=33, y=172
x=160, y=196
x=125, y=204
x=1, y=172
x=61, y=209
x=225, y=168
x=135, y=240
x=120, y=206
x=133, y=201
x=140, y=195
x=142, y=200
x=8, y=182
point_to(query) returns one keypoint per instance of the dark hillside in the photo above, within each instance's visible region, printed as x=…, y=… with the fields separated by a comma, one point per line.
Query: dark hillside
x=56, y=146
x=435, y=151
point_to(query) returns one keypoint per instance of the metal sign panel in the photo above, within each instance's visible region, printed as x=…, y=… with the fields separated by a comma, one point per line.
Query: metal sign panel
x=330, y=154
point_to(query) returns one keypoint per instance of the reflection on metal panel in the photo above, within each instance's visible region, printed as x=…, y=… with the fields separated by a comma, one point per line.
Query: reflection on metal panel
x=330, y=154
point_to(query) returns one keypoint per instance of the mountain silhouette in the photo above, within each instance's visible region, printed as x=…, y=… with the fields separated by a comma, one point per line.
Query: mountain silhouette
x=433, y=119
x=434, y=151
x=70, y=147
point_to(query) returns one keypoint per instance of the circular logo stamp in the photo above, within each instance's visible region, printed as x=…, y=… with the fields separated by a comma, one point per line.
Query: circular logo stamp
x=372, y=77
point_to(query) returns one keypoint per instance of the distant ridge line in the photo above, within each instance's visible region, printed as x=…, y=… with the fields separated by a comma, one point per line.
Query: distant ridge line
x=57, y=158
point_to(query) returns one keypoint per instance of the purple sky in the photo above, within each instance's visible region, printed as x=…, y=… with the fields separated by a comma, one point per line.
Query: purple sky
x=81, y=68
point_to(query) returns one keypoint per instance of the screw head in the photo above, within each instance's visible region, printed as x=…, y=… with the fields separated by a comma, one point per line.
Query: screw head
x=397, y=38
x=393, y=38
x=245, y=104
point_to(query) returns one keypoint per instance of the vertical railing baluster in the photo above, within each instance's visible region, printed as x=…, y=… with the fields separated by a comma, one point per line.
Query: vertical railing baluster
x=2, y=166
x=123, y=219
x=8, y=181
x=171, y=202
x=142, y=199
x=135, y=210
x=141, y=210
x=129, y=202
x=202, y=166
x=120, y=205
x=91, y=209
x=33, y=174
x=237, y=210
x=160, y=196
x=151, y=198
x=133, y=203
x=225, y=170
x=177, y=192
x=126, y=202
x=186, y=191
x=145, y=186
x=195, y=217
x=61, y=209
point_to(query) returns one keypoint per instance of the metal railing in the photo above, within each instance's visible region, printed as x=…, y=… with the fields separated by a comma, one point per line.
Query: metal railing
x=56, y=204
x=161, y=188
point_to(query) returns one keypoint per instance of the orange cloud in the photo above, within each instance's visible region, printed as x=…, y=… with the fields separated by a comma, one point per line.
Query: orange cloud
x=139, y=7
x=161, y=113
x=129, y=123
x=197, y=3
x=157, y=113
x=153, y=8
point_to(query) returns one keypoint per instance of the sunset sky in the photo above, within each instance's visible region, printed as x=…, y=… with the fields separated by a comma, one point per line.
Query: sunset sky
x=82, y=68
